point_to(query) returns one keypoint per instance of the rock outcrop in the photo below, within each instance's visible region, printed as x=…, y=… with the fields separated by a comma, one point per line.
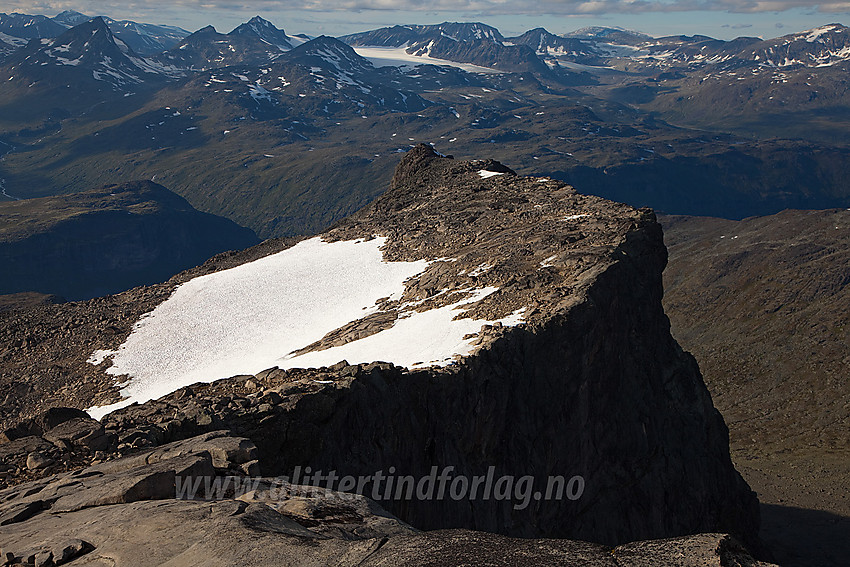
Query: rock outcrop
x=586, y=384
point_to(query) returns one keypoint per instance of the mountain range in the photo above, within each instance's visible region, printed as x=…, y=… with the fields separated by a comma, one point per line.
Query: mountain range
x=145, y=39
x=286, y=134
x=696, y=80
x=87, y=56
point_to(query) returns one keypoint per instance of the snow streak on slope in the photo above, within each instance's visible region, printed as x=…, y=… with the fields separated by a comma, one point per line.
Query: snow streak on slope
x=487, y=174
x=399, y=57
x=250, y=318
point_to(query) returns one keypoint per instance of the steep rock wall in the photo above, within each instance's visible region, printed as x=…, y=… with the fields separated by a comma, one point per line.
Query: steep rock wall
x=601, y=391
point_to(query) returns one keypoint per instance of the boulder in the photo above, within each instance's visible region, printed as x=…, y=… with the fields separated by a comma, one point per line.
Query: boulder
x=45, y=421
x=80, y=431
x=38, y=461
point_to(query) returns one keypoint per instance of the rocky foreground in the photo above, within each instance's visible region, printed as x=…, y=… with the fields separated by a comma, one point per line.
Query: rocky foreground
x=588, y=384
x=126, y=512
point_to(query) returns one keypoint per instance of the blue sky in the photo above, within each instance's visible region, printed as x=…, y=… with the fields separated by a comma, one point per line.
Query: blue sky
x=722, y=18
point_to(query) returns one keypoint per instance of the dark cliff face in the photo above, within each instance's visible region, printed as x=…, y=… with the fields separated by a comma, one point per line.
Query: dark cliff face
x=107, y=240
x=596, y=388
x=601, y=392
x=591, y=384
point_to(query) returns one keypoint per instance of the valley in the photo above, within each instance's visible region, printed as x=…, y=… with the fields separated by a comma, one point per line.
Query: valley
x=103, y=241
x=772, y=343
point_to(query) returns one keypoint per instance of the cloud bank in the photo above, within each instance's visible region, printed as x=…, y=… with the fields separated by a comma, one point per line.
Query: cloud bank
x=489, y=7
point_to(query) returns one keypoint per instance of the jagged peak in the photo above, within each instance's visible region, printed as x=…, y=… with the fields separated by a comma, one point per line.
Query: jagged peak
x=260, y=20
x=263, y=29
x=251, y=25
x=95, y=22
x=413, y=162
x=90, y=51
x=99, y=21
x=93, y=28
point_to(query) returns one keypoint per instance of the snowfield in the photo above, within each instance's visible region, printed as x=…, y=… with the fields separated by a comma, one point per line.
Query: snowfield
x=252, y=317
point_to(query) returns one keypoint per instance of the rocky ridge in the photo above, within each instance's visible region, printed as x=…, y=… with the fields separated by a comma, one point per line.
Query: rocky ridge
x=591, y=374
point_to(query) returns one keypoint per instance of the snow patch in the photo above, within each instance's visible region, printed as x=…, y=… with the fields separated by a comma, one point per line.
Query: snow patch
x=816, y=33
x=548, y=262
x=246, y=319
x=252, y=317
x=418, y=339
x=259, y=93
x=481, y=269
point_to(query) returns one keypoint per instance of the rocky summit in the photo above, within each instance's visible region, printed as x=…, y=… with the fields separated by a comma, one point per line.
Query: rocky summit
x=569, y=372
